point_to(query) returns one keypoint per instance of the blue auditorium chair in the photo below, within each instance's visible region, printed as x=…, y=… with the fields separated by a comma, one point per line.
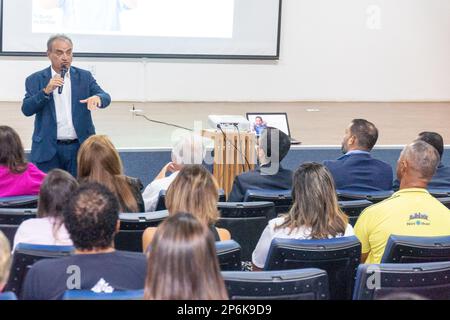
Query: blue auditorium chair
x=132, y=226
x=281, y=198
x=116, y=295
x=299, y=284
x=246, y=222
x=339, y=257
x=374, y=196
x=405, y=249
x=161, y=204
x=10, y=219
x=229, y=254
x=382, y=281
x=439, y=193
x=19, y=202
x=7, y=296
x=25, y=255
x=353, y=209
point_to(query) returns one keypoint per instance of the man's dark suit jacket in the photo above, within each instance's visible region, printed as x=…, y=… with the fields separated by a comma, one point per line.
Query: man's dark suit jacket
x=360, y=172
x=441, y=179
x=254, y=180
x=83, y=86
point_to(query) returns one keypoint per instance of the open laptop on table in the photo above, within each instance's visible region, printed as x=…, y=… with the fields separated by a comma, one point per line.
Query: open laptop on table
x=279, y=120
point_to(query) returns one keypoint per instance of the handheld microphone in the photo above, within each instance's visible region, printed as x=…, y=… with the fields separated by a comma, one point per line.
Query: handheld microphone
x=63, y=74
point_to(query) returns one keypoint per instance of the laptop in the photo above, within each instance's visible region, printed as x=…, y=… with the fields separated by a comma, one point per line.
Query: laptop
x=279, y=120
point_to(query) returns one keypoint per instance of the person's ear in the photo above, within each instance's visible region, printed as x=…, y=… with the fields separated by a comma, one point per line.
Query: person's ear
x=118, y=226
x=352, y=140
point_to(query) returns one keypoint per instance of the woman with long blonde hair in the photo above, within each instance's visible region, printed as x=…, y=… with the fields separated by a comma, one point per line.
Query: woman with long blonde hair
x=99, y=161
x=194, y=190
x=315, y=213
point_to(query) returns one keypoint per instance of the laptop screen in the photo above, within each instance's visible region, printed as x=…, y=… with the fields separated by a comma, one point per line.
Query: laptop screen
x=259, y=121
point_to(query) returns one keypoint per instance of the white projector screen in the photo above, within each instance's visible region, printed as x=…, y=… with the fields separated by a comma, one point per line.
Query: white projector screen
x=145, y=28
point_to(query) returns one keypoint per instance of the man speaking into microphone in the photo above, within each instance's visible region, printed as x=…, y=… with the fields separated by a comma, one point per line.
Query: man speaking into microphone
x=62, y=98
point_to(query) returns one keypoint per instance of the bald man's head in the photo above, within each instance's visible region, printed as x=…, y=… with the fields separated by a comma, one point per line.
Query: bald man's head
x=418, y=160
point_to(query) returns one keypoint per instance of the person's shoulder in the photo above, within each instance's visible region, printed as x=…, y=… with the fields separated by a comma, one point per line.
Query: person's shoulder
x=137, y=257
x=81, y=72
x=39, y=74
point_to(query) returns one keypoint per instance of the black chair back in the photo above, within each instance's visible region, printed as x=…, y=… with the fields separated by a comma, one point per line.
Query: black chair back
x=133, y=225
x=246, y=222
x=304, y=284
x=339, y=257
x=386, y=280
x=25, y=255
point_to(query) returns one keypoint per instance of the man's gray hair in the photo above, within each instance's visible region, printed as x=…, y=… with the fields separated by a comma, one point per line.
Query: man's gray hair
x=57, y=37
x=422, y=158
x=189, y=149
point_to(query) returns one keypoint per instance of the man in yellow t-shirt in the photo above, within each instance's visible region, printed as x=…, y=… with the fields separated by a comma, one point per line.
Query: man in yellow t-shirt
x=411, y=211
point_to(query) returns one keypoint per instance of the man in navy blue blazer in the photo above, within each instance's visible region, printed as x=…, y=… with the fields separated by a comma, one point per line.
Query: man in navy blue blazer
x=356, y=170
x=62, y=98
x=273, y=146
x=441, y=179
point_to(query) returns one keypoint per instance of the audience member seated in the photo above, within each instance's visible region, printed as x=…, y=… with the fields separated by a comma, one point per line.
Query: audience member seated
x=315, y=213
x=99, y=161
x=196, y=191
x=92, y=219
x=17, y=176
x=412, y=211
x=441, y=179
x=48, y=228
x=273, y=146
x=182, y=262
x=188, y=150
x=356, y=170
x=5, y=260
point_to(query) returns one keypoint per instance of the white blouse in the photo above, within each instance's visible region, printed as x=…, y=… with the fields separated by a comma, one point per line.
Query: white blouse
x=40, y=231
x=262, y=248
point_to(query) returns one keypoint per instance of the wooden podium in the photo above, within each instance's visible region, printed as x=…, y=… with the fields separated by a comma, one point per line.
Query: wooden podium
x=234, y=153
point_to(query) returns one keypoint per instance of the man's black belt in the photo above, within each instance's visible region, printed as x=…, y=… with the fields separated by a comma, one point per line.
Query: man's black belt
x=67, y=141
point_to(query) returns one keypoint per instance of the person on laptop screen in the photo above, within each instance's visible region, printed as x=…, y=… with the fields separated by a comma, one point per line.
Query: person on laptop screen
x=259, y=125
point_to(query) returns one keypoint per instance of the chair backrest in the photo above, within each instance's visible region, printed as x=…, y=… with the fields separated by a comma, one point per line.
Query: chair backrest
x=16, y=216
x=281, y=198
x=116, y=295
x=229, y=254
x=132, y=226
x=25, y=255
x=353, y=209
x=161, y=204
x=373, y=196
x=439, y=193
x=246, y=222
x=404, y=249
x=339, y=257
x=9, y=231
x=445, y=201
x=7, y=296
x=427, y=280
x=299, y=284
x=19, y=202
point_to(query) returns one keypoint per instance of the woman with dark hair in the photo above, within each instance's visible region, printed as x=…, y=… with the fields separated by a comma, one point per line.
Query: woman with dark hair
x=182, y=262
x=48, y=228
x=17, y=176
x=315, y=213
x=99, y=161
x=196, y=191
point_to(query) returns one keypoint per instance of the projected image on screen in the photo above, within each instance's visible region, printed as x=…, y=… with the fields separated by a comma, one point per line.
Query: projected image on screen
x=145, y=28
x=155, y=18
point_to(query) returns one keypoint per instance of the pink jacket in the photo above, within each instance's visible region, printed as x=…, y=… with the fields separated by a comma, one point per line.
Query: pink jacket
x=27, y=183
